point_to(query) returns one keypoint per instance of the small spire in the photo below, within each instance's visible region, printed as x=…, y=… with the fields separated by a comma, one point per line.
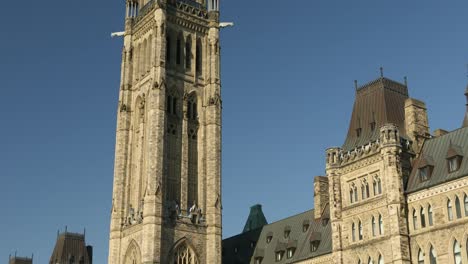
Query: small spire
x=381, y=72
x=355, y=84
x=406, y=80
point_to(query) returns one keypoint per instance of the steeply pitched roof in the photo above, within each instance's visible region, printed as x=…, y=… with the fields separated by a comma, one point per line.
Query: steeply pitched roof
x=70, y=245
x=380, y=101
x=298, y=238
x=20, y=260
x=256, y=218
x=439, y=148
x=239, y=249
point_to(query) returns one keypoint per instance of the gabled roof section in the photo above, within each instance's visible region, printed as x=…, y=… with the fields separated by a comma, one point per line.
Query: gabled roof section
x=377, y=103
x=256, y=218
x=437, y=148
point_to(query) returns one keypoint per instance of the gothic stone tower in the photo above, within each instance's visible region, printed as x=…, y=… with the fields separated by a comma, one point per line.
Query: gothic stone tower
x=166, y=205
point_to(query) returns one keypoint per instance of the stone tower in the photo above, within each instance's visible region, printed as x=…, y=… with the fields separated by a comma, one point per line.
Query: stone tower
x=166, y=205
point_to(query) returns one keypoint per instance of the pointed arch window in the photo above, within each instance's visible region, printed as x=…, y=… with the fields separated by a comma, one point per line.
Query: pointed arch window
x=179, y=51
x=420, y=257
x=457, y=258
x=355, y=194
x=360, y=230
x=432, y=256
x=429, y=215
x=377, y=186
x=351, y=195
x=359, y=261
x=374, y=227
x=466, y=205
x=365, y=190
x=423, y=218
x=380, y=225
x=185, y=255
x=415, y=220
x=188, y=54
x=449, y=210
x=381, y=259
x=370, y=261
x=353, y=232
x=192, y=117
x=198, y=57
x=458, y=207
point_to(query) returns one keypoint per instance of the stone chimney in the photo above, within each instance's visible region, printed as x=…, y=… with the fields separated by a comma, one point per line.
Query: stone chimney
x=416, y=122
x=465, y=121
x=440, y=132
x=321, y=196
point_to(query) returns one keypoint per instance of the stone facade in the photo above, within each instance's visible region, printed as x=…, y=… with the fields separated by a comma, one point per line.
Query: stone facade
x=166, y=204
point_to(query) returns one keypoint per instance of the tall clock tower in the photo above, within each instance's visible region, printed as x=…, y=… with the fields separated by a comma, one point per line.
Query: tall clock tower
x=166, y=204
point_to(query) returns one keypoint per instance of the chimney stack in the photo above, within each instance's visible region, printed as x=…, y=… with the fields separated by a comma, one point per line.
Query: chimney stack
x=416, y=122
x=321, y=196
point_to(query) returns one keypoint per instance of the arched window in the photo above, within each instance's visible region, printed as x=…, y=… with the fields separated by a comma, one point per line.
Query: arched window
x=360, y=230
x=179, y=51
x=353, y=232
x=365, y=190
x=168, y=49
x=429, y=215
x=420, y=257
x=381, y=259
x=184, y=255
x=370, y=261
x=380, y=225
x=377, y=186
x=458, y=207
x=466, y=205
x=198, y=58
x=359, y=261
x=351, y=195
x=192, y=129
x=415, y=220
x=457, y=258
x=449, y=210
x=188, y=54
x=423, y=218
x=355, y=194
x=432, y=256
x=374, y=226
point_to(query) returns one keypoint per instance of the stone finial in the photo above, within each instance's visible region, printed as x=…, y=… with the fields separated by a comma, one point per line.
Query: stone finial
x=381, y=72
x=333, y=156
x=465, y=121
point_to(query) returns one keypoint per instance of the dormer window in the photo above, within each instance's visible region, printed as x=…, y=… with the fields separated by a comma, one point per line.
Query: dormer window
x=424, y=173
x=358, y=132
x=453, y=163
x=287, y=232
x=279, y=255
x=290, y=252
x=314, y=245
x=305, y=226
x=258, y=260
x=269, y=238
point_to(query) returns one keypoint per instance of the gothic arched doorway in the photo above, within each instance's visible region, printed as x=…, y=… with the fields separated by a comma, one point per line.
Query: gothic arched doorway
x=133, y=255
x=184, y=254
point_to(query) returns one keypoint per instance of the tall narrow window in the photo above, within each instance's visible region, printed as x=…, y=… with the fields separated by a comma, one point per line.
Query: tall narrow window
x=466, y=205
x=458, y=207
x=420, y=257
x=188, y=54
x=351, y=195
x=432, y=256
x=198, y=58
x=192, y=122
x=449, y=210
x=429, y=215
x=423, y=218
x=168, y=50
x=355, y=194
x=457, y=258
x=370, y=261
x=380, y=225
x=353, y=232
x=377, y=186
x=360, y=230
x=179, y=51
x=415, y=220
x=381, y=259
x=374, y=227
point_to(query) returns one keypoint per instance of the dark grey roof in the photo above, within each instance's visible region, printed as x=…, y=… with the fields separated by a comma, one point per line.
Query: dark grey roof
x=256, y=218
x=239, y=249
x=380, y=101
x=297, y=239
x=20, y=260
x=438, y=148
x=71, y=244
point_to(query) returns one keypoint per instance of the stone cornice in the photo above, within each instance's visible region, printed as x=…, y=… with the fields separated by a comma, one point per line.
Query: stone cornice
x=436, y=190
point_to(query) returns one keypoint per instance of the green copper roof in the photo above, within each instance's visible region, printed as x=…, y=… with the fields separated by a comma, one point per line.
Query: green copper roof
x=256, y=218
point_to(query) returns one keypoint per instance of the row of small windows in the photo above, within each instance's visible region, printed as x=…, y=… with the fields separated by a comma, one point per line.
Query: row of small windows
x=365, y=192
x=380, y=260
x=184, y=50
x=456, y=254
x=171, y=107
x=453, y=165
x=458, y=210
x=377, y=228
x=422, y=215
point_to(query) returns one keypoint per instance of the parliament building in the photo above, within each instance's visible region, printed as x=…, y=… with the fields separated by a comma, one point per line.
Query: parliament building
x=392, y=193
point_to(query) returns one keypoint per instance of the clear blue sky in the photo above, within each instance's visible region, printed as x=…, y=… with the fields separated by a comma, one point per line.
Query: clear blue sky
x=287, y=69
